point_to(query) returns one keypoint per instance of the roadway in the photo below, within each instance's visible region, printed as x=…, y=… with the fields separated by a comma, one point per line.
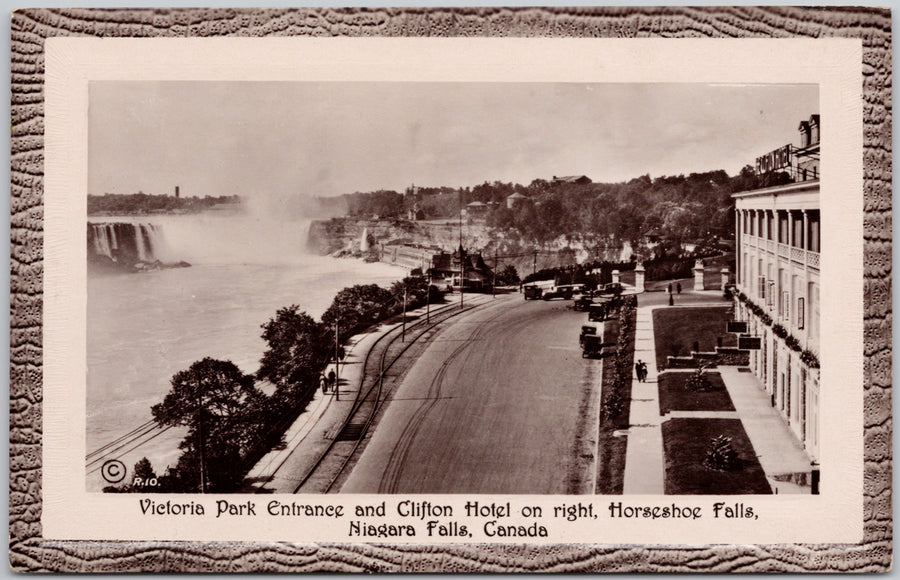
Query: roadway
x=500, y=402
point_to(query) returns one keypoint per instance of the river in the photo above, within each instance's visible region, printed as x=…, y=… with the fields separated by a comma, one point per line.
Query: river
x=143, y=328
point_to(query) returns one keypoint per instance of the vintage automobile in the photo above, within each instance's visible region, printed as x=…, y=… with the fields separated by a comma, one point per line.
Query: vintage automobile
x=591, y=345
x=598, y=311
x=590, y=329
x=583, y=303
x=564, y=291
x=612, y=289
x=532, y=292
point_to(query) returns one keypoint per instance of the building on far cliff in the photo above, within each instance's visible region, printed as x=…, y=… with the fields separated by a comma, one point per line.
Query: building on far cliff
x=515, y=199
x=571, y=179
x=447, y=268
x=476, y=210
x=777, y=233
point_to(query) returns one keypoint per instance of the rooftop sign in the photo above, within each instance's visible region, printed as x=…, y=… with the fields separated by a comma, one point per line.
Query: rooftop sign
x=773, y=160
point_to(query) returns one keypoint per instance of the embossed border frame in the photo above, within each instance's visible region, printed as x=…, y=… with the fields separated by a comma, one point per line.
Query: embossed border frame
x=29, y=28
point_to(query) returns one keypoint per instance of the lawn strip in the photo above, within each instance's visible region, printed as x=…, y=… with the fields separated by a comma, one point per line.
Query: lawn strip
x=674, y=395
x=685, y=442
x=675, y=331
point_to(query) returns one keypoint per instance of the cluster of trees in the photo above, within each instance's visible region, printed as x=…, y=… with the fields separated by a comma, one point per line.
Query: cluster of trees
x=231, y=422
x=678, y=208
x=140, y=203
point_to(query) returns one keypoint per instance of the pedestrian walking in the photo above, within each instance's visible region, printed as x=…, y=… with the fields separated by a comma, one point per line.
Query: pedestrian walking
x=331, y=379
x=669, y=289
x=637, y=371
x=678, y=287
x=324, y=382
x=643, y=371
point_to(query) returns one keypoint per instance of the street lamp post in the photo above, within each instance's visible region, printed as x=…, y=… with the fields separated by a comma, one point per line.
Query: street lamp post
x=337, y=369
x=403, y=331
x=428, y=299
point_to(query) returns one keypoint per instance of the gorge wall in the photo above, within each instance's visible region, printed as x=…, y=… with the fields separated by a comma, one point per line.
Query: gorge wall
x=408, y=243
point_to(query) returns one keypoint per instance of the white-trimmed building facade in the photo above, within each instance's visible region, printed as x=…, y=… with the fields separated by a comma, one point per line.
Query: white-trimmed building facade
x=778, y=281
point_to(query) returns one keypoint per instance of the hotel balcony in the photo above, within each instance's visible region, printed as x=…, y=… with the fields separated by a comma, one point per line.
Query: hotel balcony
x=799, y=256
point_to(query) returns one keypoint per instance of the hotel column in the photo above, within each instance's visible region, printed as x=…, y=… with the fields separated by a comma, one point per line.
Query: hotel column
x=738, y=245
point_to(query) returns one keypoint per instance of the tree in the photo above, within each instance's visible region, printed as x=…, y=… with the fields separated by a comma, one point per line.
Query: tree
x=225, y=416
x=508, y=276
x=357, y=307
x=143, y=471
x=416, y=289
x=297, y=347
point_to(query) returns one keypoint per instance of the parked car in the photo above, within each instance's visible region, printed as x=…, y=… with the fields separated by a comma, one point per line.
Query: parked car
x=583, y=303
x=611, y=289
x=591, y=345
x=590, y=329
x=532, y=292
x=564, y=291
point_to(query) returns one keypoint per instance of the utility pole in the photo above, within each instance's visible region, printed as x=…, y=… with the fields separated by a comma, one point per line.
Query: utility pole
x=337, y=369
x=403, y=331
x=462, y=277
x=428, y=299
x=534, y=267
x=494, y=283
x=202, y=443
x=462, y=262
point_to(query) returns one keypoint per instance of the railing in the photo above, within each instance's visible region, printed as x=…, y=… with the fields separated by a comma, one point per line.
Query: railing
x=812, y=259
x=783, y=250
x=770, y=245
x=798, y=255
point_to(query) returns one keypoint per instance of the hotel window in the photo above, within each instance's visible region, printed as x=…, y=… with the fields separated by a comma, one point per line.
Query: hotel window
x=800, y=312
x=770, y=297
x=783, y=289
x=786, y=305
x=762, y=287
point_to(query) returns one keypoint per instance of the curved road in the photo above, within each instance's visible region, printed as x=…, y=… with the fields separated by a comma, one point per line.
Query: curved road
x=500, y=402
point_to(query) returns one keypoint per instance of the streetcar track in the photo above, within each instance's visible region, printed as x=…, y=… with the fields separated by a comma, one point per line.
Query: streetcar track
x=397, y=460
x=364, y=396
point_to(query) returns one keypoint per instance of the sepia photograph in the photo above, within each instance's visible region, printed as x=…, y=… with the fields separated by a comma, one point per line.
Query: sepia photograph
x=516, y=288
x=350, y=299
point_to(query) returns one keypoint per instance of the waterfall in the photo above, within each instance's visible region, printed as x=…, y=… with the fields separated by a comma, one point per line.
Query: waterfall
x=197, y=239
x=364, y=241
x=139, y=242
x=102, y=245
x=127, y=243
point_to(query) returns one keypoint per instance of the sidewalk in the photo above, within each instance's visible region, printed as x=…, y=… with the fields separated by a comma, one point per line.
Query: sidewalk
x=644, y=460
x=779, y=453
x=781, y=456
x=281, y=469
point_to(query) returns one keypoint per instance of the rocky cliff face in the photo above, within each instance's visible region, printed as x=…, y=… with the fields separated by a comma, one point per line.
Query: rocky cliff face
x=346, y=234
x=343, y=236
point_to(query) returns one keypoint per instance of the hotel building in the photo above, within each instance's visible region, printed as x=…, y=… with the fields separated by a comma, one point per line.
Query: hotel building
x=778, y=282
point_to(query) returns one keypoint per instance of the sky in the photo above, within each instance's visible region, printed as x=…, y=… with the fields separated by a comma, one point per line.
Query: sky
x=283, y=139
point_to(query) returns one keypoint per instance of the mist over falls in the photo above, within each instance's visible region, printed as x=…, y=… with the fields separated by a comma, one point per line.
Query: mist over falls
x=136, y=244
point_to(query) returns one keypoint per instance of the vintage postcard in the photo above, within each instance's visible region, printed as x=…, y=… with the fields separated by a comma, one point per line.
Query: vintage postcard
x=399, y=297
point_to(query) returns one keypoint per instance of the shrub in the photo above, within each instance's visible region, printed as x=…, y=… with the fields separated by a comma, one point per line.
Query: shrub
x=809, y=359
x=721, y=456
x=613, y=405
x=698, y=382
